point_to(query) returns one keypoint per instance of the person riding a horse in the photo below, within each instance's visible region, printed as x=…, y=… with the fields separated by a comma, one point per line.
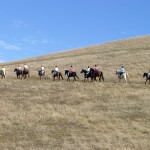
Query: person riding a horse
x=71, y=70
x=88, y=71
x=4, y=70
x=95, y=69
x=56, y=70
x=26, y=67
x=41, y=70
x=122, y=71
x=19, y=69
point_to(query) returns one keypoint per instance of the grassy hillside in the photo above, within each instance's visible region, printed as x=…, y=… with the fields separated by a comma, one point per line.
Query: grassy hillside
x=45, y=114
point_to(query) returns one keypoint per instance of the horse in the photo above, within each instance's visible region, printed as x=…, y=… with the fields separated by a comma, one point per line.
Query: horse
x=18, y=73
x=71, y=74
x=96, y=73
x=147, y=77
x=122, y=76
x=25, y=73
x=2, y=73
x=87, y=74
x=41, y=73
x=57, y=74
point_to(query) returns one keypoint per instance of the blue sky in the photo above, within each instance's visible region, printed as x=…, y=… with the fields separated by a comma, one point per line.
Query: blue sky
x=31, y=28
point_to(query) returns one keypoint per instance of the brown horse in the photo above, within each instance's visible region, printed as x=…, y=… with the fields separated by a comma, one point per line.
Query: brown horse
x=95, y=74
x=18, y=73
x=25, y=73
x=57, y=74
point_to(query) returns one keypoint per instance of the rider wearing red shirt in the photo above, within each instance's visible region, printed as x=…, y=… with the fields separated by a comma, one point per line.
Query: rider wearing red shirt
x=71, y=69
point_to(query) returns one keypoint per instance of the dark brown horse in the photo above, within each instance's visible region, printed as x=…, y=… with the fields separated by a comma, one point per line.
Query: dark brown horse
x=25, y=73
x=87, y=74
x=18, y=73
x=147, y=77
x=71, y=74
x=57, y=74
x=95, y=74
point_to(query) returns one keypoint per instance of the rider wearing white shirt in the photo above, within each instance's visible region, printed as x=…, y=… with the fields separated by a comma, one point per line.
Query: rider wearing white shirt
x=56, y=69
x=42, y=68
x=88, y=70
x=19, y=68
x=26, y=67
x=4, y=70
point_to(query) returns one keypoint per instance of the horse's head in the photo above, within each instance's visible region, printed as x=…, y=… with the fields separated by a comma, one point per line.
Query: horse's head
x=82, y=71
x=145, y=74
x=52, y=71
x=15, y=69
x=66, y=72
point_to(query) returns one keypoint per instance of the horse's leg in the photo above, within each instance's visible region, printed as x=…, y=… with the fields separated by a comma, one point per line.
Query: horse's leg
x=128, y=76
x=74, y=78
x=62, y=77
x=119, y=79
x=125, y=78
x=99, y=78
x=102, y=77
x=146, y=81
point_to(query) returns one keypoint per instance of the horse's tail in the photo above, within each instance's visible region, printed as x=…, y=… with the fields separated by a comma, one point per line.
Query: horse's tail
x=76, y=75
x=61, y=75
x=66, y=72
x=128, y=76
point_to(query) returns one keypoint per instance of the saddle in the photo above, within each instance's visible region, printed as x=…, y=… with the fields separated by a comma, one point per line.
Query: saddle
x=55, y=73
x=70, y=73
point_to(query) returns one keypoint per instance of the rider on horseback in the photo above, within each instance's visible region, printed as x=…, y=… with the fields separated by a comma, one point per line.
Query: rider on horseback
x=71, y=70
x=19, y=68
x=41, y=70
x=56, y=70
x=122, y=71
x=26, y=67
x=88, y=71
x=95, y=69
x=3, y=71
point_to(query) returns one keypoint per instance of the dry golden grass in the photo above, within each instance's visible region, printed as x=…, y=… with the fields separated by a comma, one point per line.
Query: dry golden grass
x=42, y=114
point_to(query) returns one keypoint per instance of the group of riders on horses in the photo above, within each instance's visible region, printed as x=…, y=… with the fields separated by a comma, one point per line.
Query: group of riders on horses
x=70, y=72
x=22, y=72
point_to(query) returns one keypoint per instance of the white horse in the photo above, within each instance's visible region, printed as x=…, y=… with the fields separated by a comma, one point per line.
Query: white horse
x=123, y=76
x=2, y=73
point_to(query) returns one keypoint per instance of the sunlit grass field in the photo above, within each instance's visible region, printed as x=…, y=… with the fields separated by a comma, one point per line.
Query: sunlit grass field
x=45, y=114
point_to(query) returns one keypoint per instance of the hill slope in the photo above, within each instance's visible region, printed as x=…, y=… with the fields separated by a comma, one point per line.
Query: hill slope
x=42, y=114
